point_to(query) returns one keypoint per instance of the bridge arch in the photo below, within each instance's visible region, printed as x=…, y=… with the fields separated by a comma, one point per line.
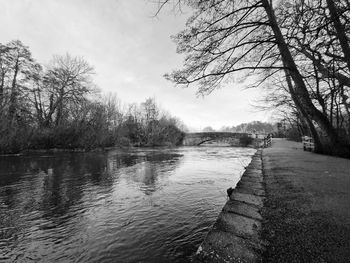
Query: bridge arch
x=196, y=139
x=205, y=140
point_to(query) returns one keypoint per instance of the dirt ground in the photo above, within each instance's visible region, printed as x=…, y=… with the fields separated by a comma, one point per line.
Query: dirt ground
x=307, y=210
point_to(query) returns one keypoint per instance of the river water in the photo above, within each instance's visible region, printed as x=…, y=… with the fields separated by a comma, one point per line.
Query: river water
x=138, y=205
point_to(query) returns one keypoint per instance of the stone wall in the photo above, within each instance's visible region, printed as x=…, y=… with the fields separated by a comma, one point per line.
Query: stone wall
x=235, y=236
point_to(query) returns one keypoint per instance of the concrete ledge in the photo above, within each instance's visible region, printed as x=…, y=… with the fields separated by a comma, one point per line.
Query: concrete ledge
x=248, y=198
x=250, y=179
x=221, y=246
x=239, y=225
x=241, y=208
x=252, y=175
x=235, y=236
x=250, y=189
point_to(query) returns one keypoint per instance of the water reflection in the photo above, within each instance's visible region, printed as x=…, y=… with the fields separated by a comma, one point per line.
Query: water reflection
x=111, y=206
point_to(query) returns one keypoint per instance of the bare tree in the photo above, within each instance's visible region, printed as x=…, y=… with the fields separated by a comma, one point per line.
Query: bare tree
x=225, y=37
x=66, y=82
x=16, y=67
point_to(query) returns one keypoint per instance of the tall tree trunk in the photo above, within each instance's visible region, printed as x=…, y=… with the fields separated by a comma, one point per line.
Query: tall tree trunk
x=13, y=96
x=311, y=126
x=301, y=93
x=51, y=110
x=347, y=110
x=319, y=96
x=59, y=108
x=331, y=107
x=340, y=31
x=2, y=84
x=38, y=108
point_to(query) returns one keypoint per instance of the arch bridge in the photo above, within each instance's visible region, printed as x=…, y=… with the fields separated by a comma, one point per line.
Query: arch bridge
x=197, y=138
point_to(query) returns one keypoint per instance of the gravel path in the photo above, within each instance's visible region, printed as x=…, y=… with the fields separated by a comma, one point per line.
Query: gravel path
x=306, y=214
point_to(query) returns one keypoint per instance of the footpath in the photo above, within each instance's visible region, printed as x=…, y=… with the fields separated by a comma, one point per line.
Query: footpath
x=289, y=206
x=307, y=208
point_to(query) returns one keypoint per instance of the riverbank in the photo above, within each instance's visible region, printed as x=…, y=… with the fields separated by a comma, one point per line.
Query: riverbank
x=290, y=206
x=58, y=150
x=235, y=236
x=82, y=150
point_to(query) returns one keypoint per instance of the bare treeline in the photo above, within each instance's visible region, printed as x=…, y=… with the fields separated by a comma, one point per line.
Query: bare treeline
x=252, y=127
x=58, y=106
x=297, y=49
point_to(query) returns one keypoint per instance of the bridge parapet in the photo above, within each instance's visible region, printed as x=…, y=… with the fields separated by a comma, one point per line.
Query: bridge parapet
x=197, y=138
x=231, y=138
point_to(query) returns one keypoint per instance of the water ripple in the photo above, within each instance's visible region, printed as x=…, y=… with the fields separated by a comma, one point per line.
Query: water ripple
x=114, y=207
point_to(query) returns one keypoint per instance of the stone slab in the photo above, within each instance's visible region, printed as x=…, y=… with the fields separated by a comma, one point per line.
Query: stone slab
x=239, y=225
x=255, y=164
x=220, y=246
x=252, y=179
x=248, y=198
x=251, y=191
x=254, y=169
x=235, y=236
x=233, y=206
x=249, y=184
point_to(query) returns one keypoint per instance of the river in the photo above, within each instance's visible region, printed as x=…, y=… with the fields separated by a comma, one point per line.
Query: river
x=135, y=205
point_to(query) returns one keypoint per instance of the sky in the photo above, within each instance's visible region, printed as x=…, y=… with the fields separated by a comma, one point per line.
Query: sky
x=130, y=50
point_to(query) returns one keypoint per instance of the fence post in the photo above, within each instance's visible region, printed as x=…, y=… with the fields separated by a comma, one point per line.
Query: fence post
x=308, y=143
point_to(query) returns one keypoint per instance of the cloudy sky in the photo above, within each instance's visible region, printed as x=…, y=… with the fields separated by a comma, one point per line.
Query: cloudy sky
x=130, y=50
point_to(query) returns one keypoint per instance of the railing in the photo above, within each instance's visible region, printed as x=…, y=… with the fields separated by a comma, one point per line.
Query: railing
x=267, y=141
x=261, y=140
x=308, y=143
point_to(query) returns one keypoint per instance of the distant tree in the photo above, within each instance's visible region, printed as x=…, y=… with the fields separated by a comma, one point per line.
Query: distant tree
x=114, y=109
x=66, y=83
x=4, y=71
x=58, y=106
x=208, y=129
x=16, y=69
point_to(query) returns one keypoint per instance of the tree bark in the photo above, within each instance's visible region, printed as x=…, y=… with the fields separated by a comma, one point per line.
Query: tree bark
x=59, y=108
x=326, y=72
x=13, y=96
x=2, y=84
x=311, y=126
x=301, y=93
x=340, y=31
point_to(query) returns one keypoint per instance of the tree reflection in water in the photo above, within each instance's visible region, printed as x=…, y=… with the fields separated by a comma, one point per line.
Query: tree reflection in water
x=112, y=206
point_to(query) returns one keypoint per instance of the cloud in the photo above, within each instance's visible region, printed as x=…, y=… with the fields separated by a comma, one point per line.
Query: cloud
x=130, y=50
